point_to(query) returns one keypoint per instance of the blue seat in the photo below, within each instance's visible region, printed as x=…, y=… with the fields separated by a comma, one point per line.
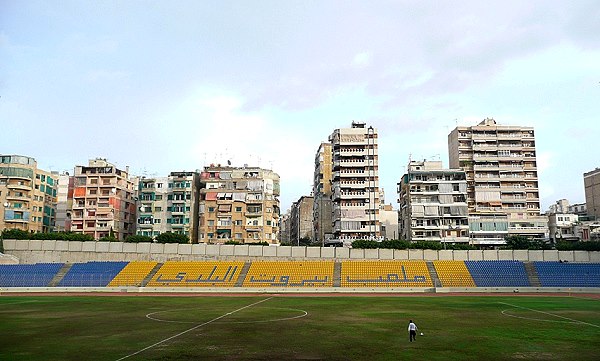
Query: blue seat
x=557, y=274
x=91, y=274
x=28, y=275
x=498, y=273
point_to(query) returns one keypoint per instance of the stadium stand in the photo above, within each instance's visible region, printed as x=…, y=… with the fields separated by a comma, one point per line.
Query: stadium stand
x=453, y=274
x=197, y=274
x=91, y=274
x=385, y=274
x=558, y=274
x=498, y=273
x=290, y=274
x=28, y=275
x=133, y=274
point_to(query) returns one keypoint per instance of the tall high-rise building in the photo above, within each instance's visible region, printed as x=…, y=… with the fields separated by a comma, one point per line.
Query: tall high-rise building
x=169, y=204
x=502, y=181
x=355, y=183
x=301, y=217
x=433, y=203
x=27, y=195
x=322, y=206
x=238, y=204
x=103, y=201
x=591, y=181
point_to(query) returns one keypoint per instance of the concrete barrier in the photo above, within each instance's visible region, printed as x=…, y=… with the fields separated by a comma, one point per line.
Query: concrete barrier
x=327, y=252
x=386, y=254
x=184, y=248
x=298, y=252
x=568, y=256
x=75, y=246
x=129, y=248
x=357, y=253
x=255, y=251
x=371, y=253
x=430, y=255
x=313, y=252
x=240, y=250
x=32, y=251
x=490, y=255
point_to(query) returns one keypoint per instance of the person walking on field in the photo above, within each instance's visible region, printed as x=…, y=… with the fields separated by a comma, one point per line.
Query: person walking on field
x=412, y=331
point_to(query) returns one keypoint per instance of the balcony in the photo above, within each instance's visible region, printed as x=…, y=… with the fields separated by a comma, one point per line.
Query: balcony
x=23, y=187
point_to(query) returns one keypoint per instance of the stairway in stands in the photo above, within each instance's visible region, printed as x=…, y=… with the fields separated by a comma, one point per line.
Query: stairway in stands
x=337, y=274
x=433, y=274
x=534, y=280
x=243, y=273
x=148, y=278
x=60, y=274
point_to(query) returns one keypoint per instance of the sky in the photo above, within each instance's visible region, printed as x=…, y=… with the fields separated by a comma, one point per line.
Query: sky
x=163, y=86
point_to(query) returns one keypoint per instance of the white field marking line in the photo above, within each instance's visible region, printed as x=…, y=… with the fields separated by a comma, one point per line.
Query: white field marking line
x=552, y=314
x=504, y=312
x=149, y=316
x=192, y=329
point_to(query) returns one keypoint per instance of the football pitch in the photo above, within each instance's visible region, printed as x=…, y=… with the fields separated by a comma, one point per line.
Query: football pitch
x=276, y=327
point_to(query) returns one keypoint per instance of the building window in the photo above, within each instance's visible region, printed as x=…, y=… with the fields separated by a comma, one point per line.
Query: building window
x=157, y=220
x=158, y=197
x=238, y=209
x=211, y=223
x=211, y=209
x=238, y=236
x=158, y=209
x=159, y=185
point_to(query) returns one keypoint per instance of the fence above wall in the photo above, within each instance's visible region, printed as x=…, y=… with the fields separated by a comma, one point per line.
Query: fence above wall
x=31, y=251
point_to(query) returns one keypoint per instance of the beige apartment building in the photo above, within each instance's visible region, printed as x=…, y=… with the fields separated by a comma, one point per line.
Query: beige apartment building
x=103, y=200
x=169, y=204
x=502, y=181
x=28, y=195
x=355, y=183
x=322, y=206
x=64, y=206
x=433, y=203
x=591, y=181
x=238, y=204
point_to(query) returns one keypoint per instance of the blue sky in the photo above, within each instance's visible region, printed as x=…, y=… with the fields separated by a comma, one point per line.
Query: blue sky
x=174, y=85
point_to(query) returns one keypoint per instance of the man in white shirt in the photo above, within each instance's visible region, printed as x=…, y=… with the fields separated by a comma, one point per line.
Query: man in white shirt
x=412, y=331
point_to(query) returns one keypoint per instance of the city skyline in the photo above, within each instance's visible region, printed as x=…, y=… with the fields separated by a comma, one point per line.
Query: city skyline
x=164, y=88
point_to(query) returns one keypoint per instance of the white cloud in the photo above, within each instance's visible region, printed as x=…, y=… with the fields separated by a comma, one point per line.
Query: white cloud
x=362, y=60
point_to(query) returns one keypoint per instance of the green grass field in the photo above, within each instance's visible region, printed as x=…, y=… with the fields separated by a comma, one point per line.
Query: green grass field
x=298, y=328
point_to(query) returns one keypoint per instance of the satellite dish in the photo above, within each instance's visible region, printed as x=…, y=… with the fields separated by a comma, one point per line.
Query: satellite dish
x=6, y=204
x=114, y=190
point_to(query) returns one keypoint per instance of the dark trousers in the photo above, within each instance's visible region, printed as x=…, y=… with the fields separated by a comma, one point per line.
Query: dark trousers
x=413, y=336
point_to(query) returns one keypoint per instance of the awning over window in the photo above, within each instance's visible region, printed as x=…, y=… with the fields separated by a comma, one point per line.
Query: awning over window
x=212, y=196
x=224, y=207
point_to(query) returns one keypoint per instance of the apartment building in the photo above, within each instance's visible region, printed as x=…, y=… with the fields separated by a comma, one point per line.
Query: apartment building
x=28, y=195
x=301, y=216
x=433, y=203
x=238, y=204
x=103, y=200
x=355, y=183
x=169, y=204
x=389, y=221
x=322, y=206
x=66, y=187
x=591, y=181
x=502, y=182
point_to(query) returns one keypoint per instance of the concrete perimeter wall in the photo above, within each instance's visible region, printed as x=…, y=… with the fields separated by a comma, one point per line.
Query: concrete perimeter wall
x=35, y=251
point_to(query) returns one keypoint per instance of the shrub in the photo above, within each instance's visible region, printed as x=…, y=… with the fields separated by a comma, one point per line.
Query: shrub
x=578, y=246
x=169, y=237
x=138, y=239
x=108, y=239
x=15, y=234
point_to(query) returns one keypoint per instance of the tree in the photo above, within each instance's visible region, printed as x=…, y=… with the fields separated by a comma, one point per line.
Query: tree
x=15, y=234
x=138, y=239
x=169, y=237
x=522, y=242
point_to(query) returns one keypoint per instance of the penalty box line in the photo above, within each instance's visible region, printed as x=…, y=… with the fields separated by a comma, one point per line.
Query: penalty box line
x=552, y=314
x=192, y=329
